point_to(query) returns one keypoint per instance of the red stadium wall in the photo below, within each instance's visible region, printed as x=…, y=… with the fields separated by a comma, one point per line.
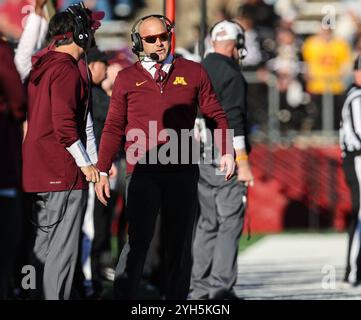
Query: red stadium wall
x=297, y=188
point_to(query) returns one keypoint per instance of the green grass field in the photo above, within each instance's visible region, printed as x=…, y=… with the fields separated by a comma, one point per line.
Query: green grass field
x=245, y=243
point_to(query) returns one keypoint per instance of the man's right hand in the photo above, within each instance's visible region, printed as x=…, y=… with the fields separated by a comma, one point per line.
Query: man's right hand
x=91, y=173
x=227, y=165
x=102, y=188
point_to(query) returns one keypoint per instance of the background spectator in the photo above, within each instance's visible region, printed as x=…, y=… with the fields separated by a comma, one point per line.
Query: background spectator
x=327, y=63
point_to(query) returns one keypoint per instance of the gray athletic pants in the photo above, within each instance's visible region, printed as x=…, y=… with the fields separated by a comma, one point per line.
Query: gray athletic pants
x=218, y=231
x=56, y=248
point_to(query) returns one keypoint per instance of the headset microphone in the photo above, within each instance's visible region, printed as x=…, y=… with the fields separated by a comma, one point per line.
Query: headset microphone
x=154, y=56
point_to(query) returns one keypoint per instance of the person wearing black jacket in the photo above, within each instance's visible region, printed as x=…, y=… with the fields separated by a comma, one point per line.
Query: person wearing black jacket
x=350, y=143
x=222, y=203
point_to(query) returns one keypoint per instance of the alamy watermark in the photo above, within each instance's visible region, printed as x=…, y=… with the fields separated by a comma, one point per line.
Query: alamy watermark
x=29, y=279
x=328, y=281
x=329, y=17
x=170, y=146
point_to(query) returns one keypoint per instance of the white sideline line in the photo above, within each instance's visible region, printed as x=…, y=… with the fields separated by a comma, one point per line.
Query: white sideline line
x=296, y=266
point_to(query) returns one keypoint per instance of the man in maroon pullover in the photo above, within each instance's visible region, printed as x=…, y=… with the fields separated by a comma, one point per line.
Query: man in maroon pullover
x=153, y=100
x=56, y=159
x=12, y=113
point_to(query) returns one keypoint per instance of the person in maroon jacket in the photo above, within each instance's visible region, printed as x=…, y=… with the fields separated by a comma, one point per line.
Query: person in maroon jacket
x=156, y=95
x=12, y=113
x=56, y=161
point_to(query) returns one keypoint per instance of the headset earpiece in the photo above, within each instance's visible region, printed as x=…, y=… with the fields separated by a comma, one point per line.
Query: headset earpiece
x=137, y=45
x=241, y=45
x=82, y=34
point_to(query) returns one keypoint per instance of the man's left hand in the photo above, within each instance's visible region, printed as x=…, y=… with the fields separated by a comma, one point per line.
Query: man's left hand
x=244, y=173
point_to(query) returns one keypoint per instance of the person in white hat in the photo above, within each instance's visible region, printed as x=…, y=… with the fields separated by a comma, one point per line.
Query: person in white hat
x=222, y=204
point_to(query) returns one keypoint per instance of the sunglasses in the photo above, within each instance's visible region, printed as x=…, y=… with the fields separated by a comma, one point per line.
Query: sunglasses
x=152, y=39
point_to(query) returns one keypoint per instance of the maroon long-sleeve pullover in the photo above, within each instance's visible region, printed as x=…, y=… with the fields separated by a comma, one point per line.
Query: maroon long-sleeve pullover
x=138, y=100
x=56, y=108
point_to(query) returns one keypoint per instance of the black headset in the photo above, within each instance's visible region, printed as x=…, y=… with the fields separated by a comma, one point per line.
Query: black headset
x=137, y=45
x=240, y=41
x=83, y=35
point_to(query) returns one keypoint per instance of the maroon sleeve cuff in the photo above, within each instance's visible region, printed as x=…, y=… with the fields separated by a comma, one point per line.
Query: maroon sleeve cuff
x=223, y=141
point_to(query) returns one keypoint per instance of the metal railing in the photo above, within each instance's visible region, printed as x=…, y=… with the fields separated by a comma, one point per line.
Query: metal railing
x=273, y=103
x=326, y=108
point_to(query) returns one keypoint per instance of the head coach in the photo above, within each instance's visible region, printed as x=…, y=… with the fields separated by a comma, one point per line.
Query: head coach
x=165, y=91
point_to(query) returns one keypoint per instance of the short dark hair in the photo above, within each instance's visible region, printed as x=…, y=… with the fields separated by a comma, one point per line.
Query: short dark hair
x=61, y=23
